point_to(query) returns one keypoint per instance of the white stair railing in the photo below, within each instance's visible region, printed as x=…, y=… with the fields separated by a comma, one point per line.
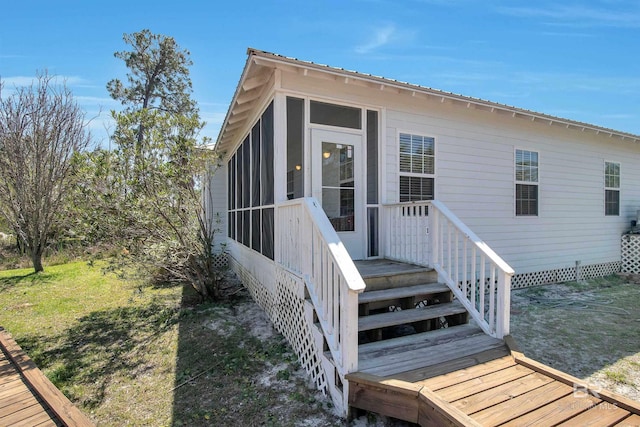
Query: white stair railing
x=309, y=247
x=428, y=233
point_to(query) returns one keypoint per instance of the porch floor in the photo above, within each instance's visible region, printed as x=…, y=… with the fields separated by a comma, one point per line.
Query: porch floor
x=386, y=267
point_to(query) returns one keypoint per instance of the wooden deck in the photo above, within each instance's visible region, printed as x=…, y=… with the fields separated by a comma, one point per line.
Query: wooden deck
x=496, y=390
x=27, y=397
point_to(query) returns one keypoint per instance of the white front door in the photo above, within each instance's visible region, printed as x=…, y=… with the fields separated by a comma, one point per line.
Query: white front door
x=337, y=182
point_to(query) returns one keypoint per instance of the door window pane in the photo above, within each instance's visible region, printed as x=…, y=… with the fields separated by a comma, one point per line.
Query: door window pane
x=338, y=191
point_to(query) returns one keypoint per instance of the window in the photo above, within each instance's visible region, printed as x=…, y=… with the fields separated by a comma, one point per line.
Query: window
x=335, y=115
x=526, y=183
x=417, y=167
x=611, y=188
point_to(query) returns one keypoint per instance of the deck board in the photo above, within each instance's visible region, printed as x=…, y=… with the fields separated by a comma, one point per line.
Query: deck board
x=456, y=377
x=428, y=355
x=632, y=421
x=483, y=383
x=41, y=419
x=555, y=412
x=522, y=403
x=453, y=365
x=385, y=267
x=502, y=393
x=604, y=414
x=405, y=292
x=27, y=397
x=411, y=342
x=401, y=317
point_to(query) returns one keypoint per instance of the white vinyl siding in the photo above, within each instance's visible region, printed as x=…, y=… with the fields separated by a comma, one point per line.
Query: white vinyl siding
x=611, y=188
x=476, y=177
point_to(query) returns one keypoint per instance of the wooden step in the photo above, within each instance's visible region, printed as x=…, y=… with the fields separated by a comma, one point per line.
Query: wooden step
x=384, y=274
x=412, y=342
x=394, y=318
x=404, y=292
x=400, y=361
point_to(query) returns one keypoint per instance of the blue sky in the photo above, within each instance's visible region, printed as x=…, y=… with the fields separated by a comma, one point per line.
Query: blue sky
x=575, y=59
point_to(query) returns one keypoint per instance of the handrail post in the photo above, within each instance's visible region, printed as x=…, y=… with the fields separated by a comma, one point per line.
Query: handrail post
x=349, y=339
x=434, y=238
x=503, y=305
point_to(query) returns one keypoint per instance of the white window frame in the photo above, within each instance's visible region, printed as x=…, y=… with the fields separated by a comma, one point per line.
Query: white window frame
x=416, y=174
x=607, y=188
x=524, y=182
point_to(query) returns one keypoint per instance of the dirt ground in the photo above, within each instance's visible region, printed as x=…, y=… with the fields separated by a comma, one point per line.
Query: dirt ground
x=590, y=330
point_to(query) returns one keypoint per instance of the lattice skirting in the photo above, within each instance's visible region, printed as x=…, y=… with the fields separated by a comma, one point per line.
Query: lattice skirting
x=221, y=261
x=559, y=275
x=631, y=253
x=286, y=309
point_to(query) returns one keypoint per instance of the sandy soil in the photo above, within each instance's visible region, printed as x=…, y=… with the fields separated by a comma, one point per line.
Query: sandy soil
x=590, y=330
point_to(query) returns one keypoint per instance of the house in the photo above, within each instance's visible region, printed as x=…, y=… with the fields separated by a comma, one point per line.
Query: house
x=324, y=166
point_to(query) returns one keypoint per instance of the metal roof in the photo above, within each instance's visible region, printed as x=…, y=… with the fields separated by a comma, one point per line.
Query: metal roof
x=260, y=57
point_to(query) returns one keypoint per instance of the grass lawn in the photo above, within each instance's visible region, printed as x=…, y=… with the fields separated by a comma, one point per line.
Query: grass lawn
x=129, y=354
x=109, y=345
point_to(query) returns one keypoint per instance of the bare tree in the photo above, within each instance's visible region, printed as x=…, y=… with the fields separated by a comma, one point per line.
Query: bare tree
x=41, y=128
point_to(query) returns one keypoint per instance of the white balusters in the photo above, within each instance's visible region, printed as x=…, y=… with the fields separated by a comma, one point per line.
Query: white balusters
x=428, y=233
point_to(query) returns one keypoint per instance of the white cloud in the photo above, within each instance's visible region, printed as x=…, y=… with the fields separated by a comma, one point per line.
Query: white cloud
x=380, y=37
x=579, y=15
x=23, y=81
x=97, y=100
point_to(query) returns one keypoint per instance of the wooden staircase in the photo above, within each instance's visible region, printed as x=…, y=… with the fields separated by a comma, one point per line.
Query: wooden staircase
x=410, y=323
x=421, y=359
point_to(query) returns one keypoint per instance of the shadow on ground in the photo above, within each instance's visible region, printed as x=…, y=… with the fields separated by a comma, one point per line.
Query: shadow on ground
x=232, y=368
x=100, y=346
x=27, y=279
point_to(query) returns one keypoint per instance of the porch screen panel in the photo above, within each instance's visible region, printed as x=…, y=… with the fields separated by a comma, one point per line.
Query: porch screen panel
x=239, y=178
x=372, y=157
x=246, y=228
x=246, y=173
x=266, y=151
x=256, y=227
x=295, y=148
x=255, y=165
x=251, y=187
x=231, y=170
x=267, y=232
x=232, y=228
x=239, y=226
x=231, y=182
